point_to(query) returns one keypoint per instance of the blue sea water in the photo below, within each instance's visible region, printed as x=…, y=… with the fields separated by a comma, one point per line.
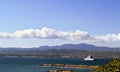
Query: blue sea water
x=33, y=64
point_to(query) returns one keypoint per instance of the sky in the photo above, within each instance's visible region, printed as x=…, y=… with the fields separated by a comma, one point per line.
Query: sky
x=34, y=23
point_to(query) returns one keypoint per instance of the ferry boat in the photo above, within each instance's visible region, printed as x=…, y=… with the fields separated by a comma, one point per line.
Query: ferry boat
x=89, y=58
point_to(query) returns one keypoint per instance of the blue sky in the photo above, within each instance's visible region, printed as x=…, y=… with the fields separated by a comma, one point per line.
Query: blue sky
x=97, y=17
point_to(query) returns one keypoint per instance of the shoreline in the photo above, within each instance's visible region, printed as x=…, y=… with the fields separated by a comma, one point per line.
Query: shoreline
x=69, y=66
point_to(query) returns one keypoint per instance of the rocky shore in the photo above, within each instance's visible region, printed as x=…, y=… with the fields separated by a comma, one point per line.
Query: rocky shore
x=61, y=71
x=68, y=65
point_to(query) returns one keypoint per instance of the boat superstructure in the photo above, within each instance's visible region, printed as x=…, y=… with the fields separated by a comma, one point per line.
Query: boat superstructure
x=90, y=58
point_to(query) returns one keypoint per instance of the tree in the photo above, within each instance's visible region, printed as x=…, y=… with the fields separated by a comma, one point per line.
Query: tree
x=113, y=66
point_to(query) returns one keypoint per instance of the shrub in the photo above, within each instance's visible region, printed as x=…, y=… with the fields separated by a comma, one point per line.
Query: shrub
x=113, y=66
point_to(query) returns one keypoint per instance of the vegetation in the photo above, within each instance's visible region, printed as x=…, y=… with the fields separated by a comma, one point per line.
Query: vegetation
x=113, y=66
x=57, y=53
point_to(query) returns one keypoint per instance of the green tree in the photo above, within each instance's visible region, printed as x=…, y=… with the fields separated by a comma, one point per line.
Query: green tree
x=113, y=66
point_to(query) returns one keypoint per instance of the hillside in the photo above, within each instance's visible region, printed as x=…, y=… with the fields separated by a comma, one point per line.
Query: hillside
x=64, y=51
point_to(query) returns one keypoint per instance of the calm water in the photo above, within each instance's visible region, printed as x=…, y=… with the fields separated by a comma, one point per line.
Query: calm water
x=32, y=64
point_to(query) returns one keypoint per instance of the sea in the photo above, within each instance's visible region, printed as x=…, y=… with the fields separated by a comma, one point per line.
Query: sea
x=33, y=64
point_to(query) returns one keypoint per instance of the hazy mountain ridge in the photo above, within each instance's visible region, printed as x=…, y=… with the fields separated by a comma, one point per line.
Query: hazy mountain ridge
x=81, y=46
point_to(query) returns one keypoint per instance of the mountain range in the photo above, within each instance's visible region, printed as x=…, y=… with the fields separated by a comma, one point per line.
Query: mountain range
x=81, y=46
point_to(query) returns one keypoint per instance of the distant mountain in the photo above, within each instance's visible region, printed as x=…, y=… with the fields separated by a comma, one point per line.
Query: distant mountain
x=81, y=46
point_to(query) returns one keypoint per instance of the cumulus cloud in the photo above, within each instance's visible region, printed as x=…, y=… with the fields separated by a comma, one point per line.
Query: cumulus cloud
x=108, y=37
x=48, y=33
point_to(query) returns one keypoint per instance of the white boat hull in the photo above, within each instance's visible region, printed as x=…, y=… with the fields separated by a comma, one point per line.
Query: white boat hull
x=89, y=59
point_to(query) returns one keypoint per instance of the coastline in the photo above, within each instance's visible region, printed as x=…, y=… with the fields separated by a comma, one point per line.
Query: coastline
x=69, y=66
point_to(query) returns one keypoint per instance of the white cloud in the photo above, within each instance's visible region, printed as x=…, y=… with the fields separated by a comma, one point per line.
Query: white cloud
x=48, y=33
x=108, y=37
